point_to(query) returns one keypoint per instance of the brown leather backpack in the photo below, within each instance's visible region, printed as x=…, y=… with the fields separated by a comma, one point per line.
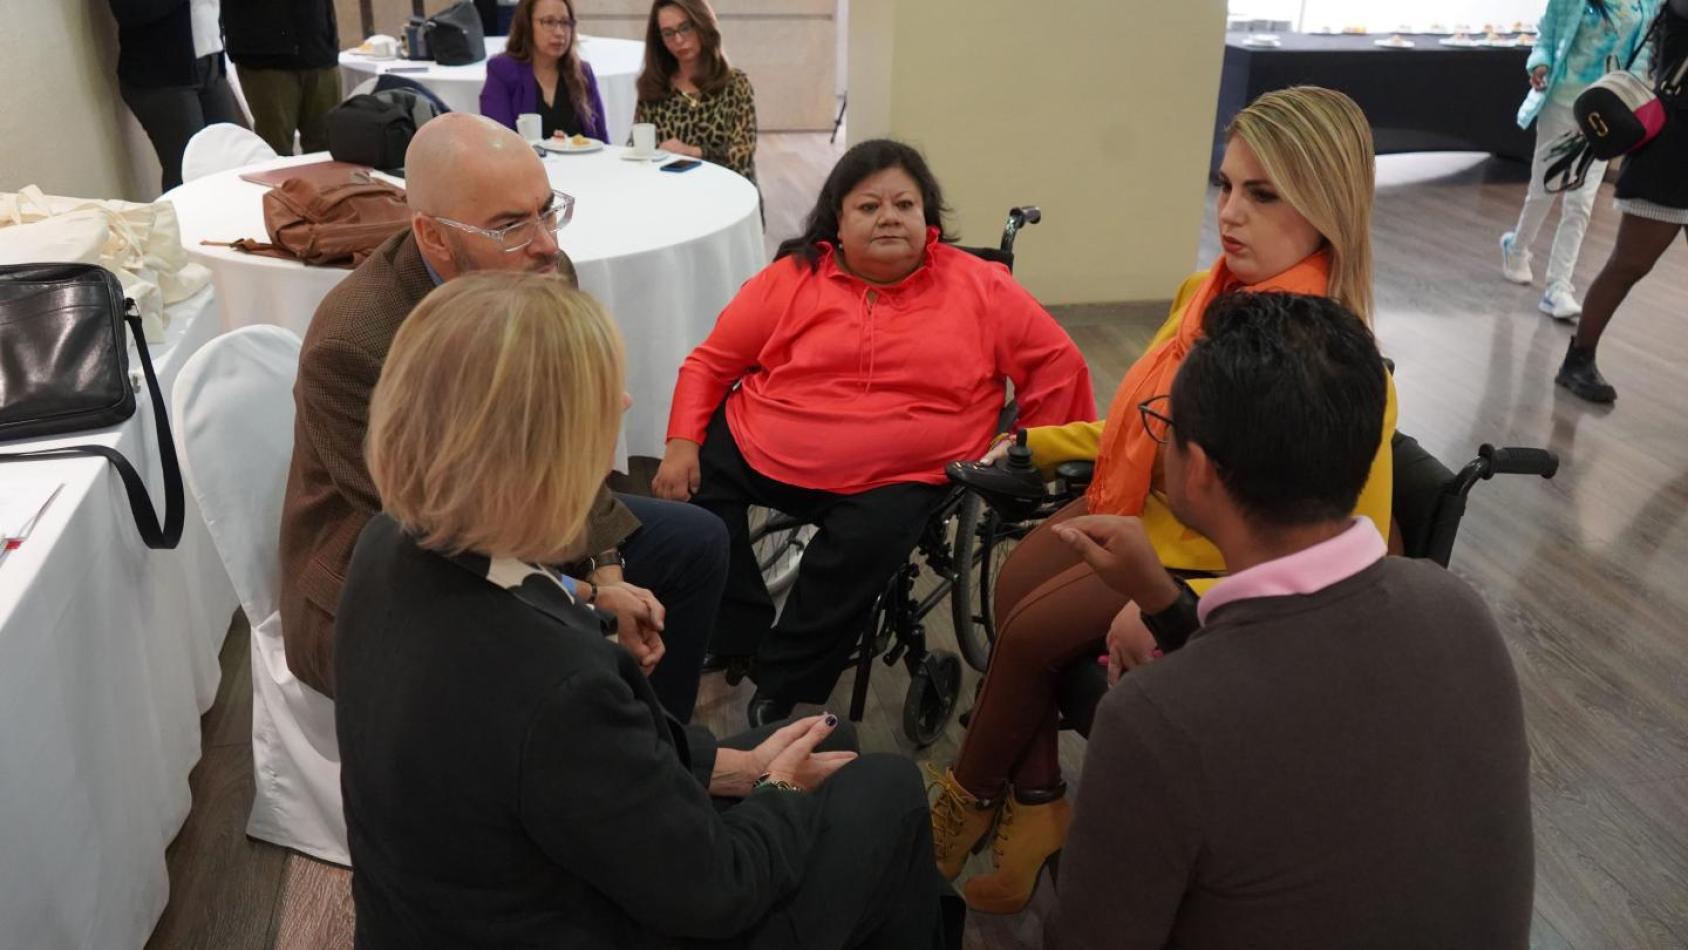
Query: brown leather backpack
x=329, y=217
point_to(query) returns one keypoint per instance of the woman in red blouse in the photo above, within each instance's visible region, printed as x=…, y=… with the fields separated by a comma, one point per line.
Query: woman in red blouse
x=834, y=388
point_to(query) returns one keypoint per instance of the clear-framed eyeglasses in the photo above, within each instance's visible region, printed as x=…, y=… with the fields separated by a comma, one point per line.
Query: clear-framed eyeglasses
x=554, y=23
x=512, y=238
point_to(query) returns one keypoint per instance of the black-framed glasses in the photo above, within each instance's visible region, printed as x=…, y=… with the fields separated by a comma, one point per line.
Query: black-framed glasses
x=512, y=238
x=554, y=23
x=1155, y=421
x=669, y=34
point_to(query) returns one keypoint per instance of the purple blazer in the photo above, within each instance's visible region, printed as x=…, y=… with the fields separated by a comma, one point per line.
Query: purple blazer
x=511, y=90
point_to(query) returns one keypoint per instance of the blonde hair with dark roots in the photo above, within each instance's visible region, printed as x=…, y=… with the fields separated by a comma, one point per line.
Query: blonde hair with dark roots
x=495, y=419
x=1316, y=146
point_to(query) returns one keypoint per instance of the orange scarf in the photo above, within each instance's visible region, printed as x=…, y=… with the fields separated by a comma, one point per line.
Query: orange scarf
x=1125, y=465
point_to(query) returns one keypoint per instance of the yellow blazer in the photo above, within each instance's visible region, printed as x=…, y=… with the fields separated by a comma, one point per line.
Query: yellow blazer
x=1181, y=547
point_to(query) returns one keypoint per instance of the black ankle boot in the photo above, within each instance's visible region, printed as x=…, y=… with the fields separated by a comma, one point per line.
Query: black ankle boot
x=1579, y=375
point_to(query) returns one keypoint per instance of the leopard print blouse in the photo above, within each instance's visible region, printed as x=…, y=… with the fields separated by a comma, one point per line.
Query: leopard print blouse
x=722, y=125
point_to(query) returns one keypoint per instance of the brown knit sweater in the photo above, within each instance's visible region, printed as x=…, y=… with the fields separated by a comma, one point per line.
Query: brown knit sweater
x=1342, y=769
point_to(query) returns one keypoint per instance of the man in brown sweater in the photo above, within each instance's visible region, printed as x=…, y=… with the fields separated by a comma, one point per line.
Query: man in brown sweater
x=481, y=200
x=1337, y=757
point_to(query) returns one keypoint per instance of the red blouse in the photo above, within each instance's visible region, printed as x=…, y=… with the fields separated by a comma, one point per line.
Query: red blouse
x=848, y=386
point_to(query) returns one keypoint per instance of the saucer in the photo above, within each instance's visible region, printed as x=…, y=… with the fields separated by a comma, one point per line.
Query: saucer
x=628, y=155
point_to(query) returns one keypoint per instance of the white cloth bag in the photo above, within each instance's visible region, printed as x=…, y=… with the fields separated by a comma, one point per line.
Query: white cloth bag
x=140, y=243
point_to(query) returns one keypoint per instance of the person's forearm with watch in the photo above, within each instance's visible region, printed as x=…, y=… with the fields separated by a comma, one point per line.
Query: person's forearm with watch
x=1118, y=550
x=639, y=615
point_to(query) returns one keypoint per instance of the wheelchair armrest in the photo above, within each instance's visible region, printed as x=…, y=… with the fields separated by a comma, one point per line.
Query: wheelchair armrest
x=1076, y=474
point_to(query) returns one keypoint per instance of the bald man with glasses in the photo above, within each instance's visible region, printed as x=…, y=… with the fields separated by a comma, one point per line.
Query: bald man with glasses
x=480, y=201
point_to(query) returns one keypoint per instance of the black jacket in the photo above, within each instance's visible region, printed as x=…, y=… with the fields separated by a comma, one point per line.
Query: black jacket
x=155, y=42
x=281, y=34
x=510, y=780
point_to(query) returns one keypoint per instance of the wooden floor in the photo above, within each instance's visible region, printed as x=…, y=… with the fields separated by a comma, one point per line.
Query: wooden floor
x=1588, y=574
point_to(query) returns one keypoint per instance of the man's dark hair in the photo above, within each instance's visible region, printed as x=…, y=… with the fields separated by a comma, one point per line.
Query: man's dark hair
x=1286, y=394
x=861, y=161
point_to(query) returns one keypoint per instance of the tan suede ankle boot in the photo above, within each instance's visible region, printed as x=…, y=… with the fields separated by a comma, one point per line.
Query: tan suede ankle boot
x=959, y=823
x=1026, y=837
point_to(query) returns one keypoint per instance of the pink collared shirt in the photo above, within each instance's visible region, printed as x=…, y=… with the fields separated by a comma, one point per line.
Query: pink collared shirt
x=1304, y=572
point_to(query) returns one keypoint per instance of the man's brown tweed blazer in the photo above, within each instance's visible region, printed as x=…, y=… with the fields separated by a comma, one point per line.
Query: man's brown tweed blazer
x=329, y=493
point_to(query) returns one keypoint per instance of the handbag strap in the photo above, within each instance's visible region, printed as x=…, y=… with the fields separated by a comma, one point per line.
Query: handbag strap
x=157, y=537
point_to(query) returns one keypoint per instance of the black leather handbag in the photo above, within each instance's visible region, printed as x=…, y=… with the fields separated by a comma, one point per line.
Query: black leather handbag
x=375, y=128
x=455, y=36
x=64, y=367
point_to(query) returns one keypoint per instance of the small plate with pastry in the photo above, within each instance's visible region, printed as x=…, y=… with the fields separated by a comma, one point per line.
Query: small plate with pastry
x=570, y=144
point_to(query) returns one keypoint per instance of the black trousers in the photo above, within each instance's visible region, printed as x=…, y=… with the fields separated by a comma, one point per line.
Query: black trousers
x=679, y=554
x=172, y=114
x=872, y=882
x=861, y=541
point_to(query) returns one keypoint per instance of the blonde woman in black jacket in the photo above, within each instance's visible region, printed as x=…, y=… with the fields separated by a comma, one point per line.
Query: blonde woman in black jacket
x=510, y=779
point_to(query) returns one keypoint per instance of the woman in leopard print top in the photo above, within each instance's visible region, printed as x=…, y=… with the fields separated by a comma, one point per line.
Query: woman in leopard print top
x=700, y=105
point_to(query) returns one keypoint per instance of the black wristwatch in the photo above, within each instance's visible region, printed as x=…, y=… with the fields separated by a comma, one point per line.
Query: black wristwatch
x=586, y=566
x=1173, y=625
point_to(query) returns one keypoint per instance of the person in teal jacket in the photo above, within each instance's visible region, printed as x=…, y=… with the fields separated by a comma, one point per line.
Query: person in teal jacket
x=1580, y=41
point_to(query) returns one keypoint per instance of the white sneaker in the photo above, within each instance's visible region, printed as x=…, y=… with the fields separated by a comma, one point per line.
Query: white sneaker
x=1560, y=304
x=1515, y=264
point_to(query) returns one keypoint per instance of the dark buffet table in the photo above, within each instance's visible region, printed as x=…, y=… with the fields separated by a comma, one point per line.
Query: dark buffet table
x=1431, y=98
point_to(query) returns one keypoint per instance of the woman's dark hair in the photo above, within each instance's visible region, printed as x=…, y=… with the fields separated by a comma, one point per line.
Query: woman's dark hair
x=861, y=161
x=657, y=78
x=520, y=47
x=1286, y=394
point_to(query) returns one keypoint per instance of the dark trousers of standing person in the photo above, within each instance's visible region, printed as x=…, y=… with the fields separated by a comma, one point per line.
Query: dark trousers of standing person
x=871, y=883
x=861, y=540
x=679, y=553
x=285, y=101
x=172, y=114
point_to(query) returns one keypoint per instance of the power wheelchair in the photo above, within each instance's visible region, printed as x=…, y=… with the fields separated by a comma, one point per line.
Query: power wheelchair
x=1428, y=502
x=896, y=631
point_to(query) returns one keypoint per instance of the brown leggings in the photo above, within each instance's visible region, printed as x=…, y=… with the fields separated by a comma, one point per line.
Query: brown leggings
x=1052, y=609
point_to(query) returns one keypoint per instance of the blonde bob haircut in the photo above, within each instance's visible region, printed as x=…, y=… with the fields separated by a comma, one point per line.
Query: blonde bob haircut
x=1316, y=146
x=495, y=419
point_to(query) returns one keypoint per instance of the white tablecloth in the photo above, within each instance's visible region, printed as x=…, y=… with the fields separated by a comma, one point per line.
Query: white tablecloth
x=615, y=62
x=664, y=252
x=108, y=657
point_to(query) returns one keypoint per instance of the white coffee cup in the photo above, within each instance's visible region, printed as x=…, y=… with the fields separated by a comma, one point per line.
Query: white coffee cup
x=644, y=138
x=529, y=126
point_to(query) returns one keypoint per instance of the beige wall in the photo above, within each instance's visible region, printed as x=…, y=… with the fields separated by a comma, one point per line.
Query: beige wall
x=63, y=125
x=1099, y=111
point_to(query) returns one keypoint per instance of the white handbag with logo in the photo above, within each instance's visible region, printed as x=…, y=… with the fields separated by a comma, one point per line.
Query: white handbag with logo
x=140, y=243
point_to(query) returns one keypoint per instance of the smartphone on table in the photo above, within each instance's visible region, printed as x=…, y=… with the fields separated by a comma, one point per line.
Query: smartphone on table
x=682, y=165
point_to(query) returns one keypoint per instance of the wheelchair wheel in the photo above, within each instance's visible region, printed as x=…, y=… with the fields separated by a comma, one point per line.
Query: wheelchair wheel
x=932, y=692
x=982, y=544
x=778, y=541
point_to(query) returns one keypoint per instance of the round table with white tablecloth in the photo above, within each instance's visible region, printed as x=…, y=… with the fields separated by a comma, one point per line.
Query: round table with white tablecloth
x=615, y=62
x=663, y=251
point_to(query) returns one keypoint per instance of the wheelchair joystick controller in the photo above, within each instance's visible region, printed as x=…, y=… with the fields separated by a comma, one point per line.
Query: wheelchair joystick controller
x=1012, y=485
x=1019, y=463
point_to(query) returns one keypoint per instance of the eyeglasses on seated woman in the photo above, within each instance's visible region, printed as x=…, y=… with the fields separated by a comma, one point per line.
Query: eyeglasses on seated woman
x=510, y=778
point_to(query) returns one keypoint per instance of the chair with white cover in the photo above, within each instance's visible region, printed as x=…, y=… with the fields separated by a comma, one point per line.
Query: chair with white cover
x=233, y=409
x=220, y=147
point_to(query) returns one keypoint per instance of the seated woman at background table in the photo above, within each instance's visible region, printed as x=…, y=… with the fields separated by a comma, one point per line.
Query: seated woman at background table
x=701, y=106
x=541, y=71
x=834, y=388
x=1295, y=198
x=510, y=778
